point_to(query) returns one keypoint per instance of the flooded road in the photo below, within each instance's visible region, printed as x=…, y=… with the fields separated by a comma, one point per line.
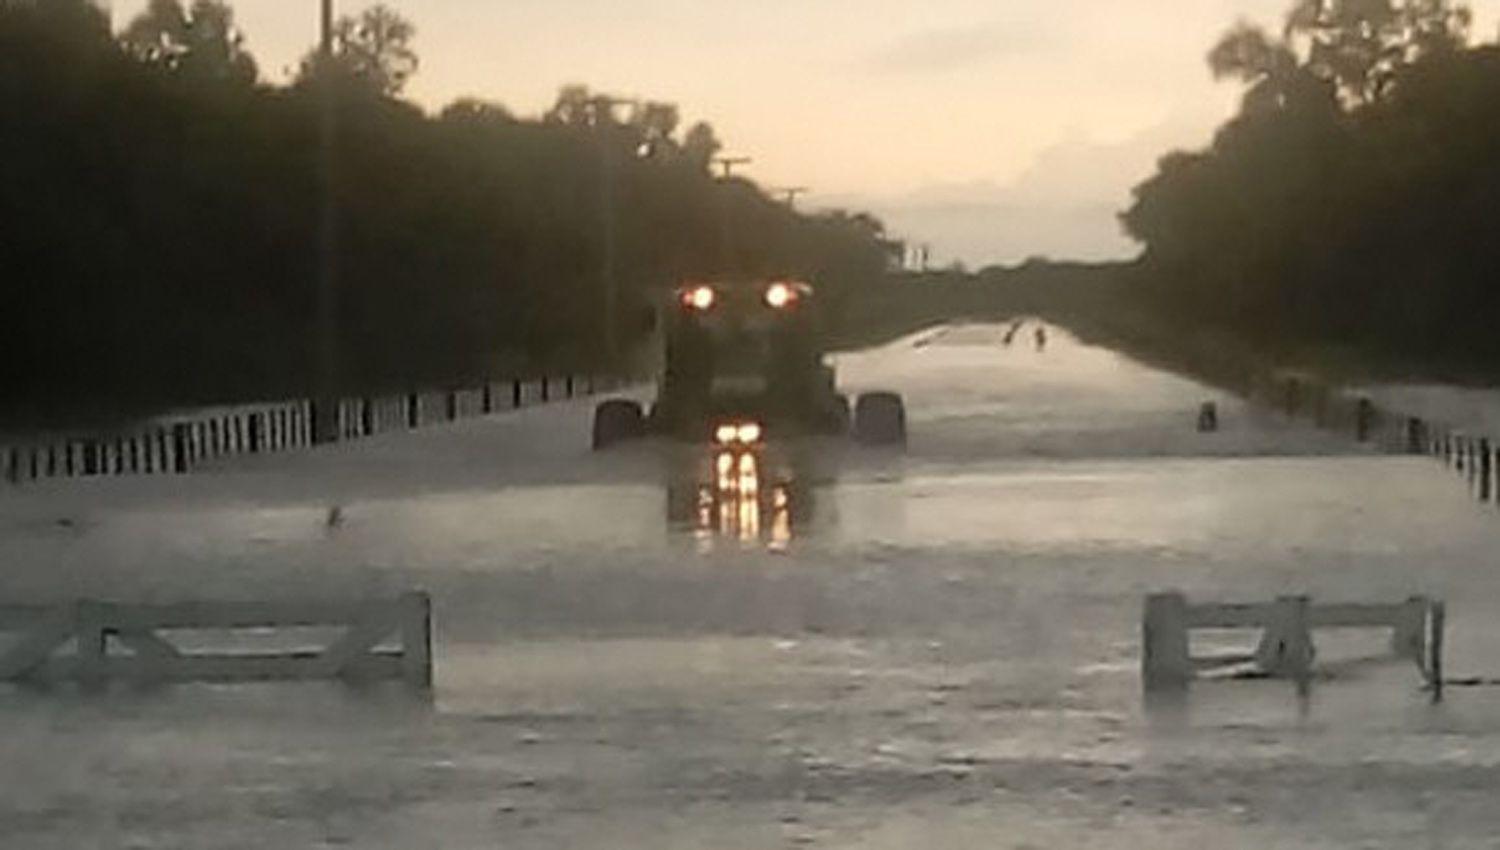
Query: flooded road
x=939, y=645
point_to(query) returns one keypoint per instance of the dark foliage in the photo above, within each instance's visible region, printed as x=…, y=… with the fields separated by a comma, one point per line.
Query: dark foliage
x=160, y=213
x=1352, y=202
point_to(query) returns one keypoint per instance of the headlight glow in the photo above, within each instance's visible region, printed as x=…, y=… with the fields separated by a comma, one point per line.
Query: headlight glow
x=779, y=296
x=748, y=432
x=738, y=433
x=699, y=297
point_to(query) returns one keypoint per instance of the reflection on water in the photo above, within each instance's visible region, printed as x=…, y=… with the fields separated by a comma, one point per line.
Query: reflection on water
x=743, y=499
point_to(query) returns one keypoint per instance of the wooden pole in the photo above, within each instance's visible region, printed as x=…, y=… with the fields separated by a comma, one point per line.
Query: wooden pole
x=1165, y=659
x=1409, y=637
x=1286, y=648
x=90, y=633
x=1415, y=436
x=1435, y=665
x=1299, y=646
x=416, y=639
x=180, y=447
x=1486, y=465
x=1364, y=419
x=324, y=428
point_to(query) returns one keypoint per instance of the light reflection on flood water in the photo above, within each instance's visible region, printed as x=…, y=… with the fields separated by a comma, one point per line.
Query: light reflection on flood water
x=745, y=501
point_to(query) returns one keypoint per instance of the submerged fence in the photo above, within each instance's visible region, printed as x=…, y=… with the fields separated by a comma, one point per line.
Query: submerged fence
x=1476, y=458
x=1285, y=625
x=178, y=444
x=97, y=642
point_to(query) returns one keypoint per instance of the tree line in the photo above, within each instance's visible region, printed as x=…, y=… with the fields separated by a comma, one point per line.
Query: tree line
x=1351, y=201
x=160, y=203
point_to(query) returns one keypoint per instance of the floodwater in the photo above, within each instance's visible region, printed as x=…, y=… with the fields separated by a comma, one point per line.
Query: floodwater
x=834, y=647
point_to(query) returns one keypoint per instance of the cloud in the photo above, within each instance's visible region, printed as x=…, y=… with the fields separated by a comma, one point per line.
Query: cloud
x=955, y=48
x=1064, y=205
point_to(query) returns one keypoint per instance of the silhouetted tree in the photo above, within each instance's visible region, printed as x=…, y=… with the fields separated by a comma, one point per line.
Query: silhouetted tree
x=373, y=50
x=160, y=240
x=701, y=145
x=1362, y=45
x=1345, y=203
x=199, y=44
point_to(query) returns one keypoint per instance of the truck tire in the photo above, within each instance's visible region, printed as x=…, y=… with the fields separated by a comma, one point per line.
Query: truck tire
x=616, y=420
x=880, y=419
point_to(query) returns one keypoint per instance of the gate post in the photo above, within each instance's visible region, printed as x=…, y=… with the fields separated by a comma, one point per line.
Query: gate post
x=1286, y=649
x=416, y=639
x=1165, y=661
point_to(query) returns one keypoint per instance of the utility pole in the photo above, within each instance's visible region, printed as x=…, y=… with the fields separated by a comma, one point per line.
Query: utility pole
x=325, y=406
x=789, y=194
x=730, y=163
x=788, y=241
x=726, y=209
x=604, y=126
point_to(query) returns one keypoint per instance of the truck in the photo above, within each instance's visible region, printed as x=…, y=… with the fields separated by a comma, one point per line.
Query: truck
x=743, y=361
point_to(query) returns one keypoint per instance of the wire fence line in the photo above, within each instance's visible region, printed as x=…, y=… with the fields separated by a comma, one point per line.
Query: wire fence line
x=178, y=443
x=1473, y=456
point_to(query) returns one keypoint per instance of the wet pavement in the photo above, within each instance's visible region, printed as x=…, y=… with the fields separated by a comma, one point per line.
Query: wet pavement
x=937, y=645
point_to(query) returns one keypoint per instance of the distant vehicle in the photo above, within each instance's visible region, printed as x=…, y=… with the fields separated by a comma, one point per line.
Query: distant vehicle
x=744, y=360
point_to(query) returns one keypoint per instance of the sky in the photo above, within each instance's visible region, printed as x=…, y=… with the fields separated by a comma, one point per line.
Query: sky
x=993, y=130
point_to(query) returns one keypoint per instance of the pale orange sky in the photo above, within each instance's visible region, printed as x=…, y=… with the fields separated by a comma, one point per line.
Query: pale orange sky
x=993, y=130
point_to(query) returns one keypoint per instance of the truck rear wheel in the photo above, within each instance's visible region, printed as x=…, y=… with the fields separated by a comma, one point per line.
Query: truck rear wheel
x=880, y=419
x=616, y=420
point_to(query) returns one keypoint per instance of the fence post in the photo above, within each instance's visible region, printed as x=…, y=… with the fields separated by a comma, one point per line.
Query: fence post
x=1486, y=466
x=1409, y=637
x=163, y=450
x=89, y=630
x=1287, y=648
x=1165, y=662
x=515, y=393
x=179, y=447
x=1416, y=435
x=413, y=410
x=1439, y=623
x=450, y=401
x=416, y=639
x=323, y=421
x=1364, y=419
